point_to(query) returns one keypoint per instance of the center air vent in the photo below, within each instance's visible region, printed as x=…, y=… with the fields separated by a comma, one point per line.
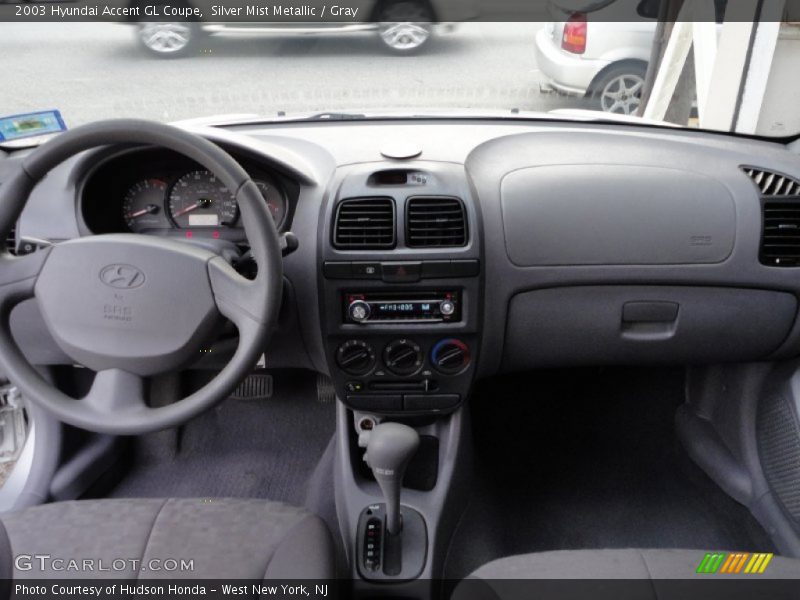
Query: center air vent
x=434, y=222
x=365, y=224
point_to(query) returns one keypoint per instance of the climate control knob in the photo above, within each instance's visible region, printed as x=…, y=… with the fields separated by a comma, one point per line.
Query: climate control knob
x=450, y=356
x=403, y=357
x=355, y=357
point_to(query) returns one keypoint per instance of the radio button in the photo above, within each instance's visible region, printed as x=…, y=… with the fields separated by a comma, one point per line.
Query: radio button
x=359, y=311
x=447, y=308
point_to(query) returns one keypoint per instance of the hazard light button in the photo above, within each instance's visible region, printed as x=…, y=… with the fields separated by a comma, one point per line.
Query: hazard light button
x=401, y=272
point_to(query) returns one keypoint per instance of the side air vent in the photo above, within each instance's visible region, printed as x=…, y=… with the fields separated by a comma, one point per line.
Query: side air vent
x=365, y=224
x=435, y=222
x=11, y=241
x=773, y=184
x=780, y=238
x=780, y=233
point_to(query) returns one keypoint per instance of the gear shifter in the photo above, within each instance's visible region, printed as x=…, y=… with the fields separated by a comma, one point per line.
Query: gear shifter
x=389, y=450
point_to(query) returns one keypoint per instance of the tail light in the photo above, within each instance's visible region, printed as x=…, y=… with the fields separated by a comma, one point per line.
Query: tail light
x=574, y=38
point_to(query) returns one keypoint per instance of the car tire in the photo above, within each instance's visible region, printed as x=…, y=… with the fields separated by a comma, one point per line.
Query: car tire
x=405, y=26
x=168, y=39
x=619, y=90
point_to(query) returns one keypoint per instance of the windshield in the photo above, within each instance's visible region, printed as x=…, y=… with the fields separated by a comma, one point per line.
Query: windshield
x=239, y=61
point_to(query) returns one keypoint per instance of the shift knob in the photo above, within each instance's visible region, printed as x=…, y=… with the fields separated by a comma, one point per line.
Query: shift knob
x=389, y=449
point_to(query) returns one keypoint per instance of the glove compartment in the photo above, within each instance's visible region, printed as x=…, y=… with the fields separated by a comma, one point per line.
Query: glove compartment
x=600, y=325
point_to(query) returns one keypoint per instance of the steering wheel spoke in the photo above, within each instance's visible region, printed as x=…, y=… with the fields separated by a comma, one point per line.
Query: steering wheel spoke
x=115, y=391
x=18, y=276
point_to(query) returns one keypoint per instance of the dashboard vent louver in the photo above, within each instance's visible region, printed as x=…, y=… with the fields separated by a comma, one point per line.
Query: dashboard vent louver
x=11, y=241
x=780, y=232
x=780, y=237
x=773, y=184
x=434, y=222
x=365, y=224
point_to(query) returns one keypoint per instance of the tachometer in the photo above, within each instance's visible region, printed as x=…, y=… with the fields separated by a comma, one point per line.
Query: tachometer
x=143, y=205
x=199, y=199
x=276, y=201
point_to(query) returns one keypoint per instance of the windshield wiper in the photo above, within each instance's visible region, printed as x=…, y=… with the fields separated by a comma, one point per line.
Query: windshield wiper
x=512, y=114
x=333, y=116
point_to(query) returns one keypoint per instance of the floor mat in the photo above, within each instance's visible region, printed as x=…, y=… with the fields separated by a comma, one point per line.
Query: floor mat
x=589, y=459
x=266, y=448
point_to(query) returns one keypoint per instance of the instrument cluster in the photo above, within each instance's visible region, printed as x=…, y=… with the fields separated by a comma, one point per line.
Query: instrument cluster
x=159, y=192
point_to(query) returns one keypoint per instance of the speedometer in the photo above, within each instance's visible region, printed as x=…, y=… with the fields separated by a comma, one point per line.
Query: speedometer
x=199, y=199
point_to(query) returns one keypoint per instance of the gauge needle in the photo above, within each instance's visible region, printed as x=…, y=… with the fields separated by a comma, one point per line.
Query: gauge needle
x=202, y=203
x=189, y=208
x=149, y=209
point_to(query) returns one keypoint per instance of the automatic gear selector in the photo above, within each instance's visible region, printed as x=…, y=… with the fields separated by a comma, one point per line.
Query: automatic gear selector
x=389, y=450
x=392, y=538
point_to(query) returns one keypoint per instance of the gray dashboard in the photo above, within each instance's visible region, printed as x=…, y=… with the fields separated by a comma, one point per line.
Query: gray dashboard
x=597, y=244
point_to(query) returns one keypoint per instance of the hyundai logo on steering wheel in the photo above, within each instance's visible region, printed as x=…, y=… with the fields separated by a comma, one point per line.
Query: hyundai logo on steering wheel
x=123, y=277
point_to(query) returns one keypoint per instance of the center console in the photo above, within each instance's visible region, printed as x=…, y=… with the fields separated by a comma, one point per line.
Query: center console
x=401, y=274
x=400, y=279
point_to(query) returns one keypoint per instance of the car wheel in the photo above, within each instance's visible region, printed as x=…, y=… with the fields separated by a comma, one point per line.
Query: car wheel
x=404, y=27
x=168, y=40
x=620, y=90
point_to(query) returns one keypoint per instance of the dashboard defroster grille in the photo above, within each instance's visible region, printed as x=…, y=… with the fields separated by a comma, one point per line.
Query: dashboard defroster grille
x=773, y=184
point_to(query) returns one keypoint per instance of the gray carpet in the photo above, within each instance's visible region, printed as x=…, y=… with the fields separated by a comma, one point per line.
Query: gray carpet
x=265, y=448
x=589, y=459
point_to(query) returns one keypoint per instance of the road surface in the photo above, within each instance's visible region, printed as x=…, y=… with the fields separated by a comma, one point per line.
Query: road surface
x=92, y=71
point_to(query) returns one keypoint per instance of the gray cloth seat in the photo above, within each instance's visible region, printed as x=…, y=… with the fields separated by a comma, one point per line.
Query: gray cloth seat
x=640, y=574
x=223, y=539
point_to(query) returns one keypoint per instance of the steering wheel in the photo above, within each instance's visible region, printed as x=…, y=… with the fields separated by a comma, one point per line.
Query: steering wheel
x=131, y=306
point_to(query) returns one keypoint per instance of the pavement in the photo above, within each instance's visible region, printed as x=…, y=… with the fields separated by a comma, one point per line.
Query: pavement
x=92, y=71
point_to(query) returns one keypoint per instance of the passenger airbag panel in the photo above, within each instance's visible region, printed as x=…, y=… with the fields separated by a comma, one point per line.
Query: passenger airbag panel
x=615, y=215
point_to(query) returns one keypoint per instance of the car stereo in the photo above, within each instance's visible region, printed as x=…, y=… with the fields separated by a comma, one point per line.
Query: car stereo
x=402, y=307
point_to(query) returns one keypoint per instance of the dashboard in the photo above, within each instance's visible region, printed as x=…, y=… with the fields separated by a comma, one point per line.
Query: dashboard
x=501, y=245
x=157, y=192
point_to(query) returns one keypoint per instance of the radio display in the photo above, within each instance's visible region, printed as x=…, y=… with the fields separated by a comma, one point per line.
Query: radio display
x=388, y=307
x=404, y=309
